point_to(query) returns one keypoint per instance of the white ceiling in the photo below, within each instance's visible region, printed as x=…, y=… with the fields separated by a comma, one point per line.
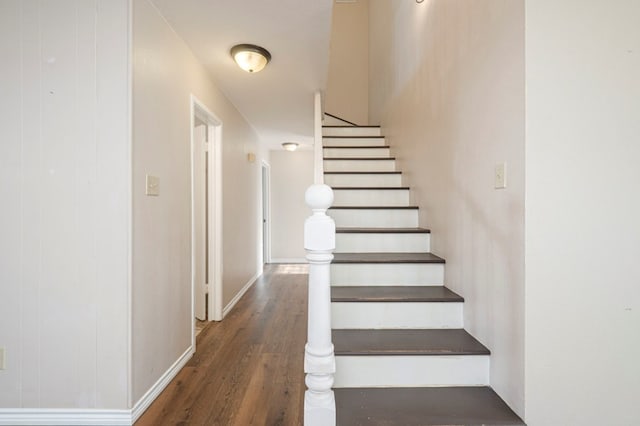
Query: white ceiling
x=278, y=101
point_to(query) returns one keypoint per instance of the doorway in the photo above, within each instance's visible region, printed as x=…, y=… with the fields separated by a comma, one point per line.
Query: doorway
x=206, y=205
x=266, y=237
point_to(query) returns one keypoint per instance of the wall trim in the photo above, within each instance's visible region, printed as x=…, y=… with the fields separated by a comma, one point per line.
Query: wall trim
x=64, y=417
x=145, y=401
x=90, y=417
x=290, y=260
x=239, y=295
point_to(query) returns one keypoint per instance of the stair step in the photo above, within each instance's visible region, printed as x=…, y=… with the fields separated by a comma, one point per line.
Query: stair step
x=354, y=196
x=375, y=216
x=363, y=179
x=406, y=342
x=356, y=151
x=350, y=130
x=369, y=164
x=382, y=231
x=409, y=358
x=396, y=307
x=364, y=240
x=459, y=406
x=387, y=258
x=353, y=141
x=386, y=269
x=394, y=294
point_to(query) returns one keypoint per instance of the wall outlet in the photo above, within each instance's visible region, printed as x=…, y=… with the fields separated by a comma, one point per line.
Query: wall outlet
x=153, y=185
x=501, y=176
x=2, y=359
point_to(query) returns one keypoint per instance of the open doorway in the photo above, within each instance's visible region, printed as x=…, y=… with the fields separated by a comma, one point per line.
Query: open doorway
x=206, y=191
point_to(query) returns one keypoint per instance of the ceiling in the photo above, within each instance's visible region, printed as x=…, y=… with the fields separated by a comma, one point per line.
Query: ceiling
x=278, y=101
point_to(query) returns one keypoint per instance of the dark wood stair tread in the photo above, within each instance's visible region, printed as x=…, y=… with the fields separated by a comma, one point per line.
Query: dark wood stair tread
x=363, y=173
x=357, y=146
x=394, y=294
x=349, y=127
x=382, y=231
x=386, y=258
x=374, y=207
x=436, y=406
x=376, y=188
x=360, y=158
x=406, y=342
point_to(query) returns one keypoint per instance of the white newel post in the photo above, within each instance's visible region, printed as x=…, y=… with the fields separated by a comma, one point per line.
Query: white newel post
x=319, y=361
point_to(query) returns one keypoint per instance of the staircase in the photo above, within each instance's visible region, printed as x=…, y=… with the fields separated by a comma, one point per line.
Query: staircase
x=402, y=354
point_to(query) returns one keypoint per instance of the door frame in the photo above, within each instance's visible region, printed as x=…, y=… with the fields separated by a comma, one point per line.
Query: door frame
x=265, y=182
x=214, y=154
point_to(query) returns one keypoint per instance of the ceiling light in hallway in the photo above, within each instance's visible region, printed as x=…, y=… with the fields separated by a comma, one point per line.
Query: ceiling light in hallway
x=250, y=57
x=290, y=146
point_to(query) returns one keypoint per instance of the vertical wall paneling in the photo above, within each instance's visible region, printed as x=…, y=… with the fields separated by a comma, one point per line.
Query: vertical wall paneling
x=64, y=169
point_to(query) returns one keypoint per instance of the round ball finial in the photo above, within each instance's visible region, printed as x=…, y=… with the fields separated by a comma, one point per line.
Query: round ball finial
x=319, y=197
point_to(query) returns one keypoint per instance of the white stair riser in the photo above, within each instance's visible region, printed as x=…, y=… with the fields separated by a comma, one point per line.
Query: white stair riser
x=351, y=131
x=411, y=371
x=387, y=274
x=364, y=180
x=371, y=197
x=375, y=218
x=359, y=165
x=385, y=315
x=353, y=141
x=356, y=152
x=382, y=243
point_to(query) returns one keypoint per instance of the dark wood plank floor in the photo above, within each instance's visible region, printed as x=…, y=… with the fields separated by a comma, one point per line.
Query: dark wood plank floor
x=248, y=369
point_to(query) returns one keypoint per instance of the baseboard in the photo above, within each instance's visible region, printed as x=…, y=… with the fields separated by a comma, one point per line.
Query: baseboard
x=239, y=295
x=64, y=417
x=150, y=396
x=90, y=417
x=290, y=260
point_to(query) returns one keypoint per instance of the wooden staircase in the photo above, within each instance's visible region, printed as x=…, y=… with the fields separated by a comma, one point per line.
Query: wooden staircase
x=402, y=354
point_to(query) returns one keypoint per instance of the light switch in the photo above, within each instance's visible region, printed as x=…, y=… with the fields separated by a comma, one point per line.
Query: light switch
x=501, y=176
x=2, y=359
x=153, y=185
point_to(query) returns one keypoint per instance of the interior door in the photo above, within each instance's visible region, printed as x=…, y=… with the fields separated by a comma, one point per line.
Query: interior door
x=200, y=218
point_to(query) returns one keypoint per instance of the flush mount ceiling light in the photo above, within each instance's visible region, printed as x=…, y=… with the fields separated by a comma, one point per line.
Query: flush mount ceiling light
x=290, y=146
x=250, y=57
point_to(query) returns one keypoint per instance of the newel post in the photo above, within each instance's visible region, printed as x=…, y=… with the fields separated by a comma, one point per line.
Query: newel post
x=319, y=361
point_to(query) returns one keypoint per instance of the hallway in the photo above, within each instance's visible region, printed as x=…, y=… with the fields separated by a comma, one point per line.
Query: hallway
x=247, y=369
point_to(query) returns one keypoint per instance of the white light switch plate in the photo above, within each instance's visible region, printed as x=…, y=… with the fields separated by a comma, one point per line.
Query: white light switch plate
x=501, y=176
x=2, y=359
x=153, y=185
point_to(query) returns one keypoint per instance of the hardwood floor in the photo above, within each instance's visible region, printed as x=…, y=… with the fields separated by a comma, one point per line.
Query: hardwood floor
x=247, y=369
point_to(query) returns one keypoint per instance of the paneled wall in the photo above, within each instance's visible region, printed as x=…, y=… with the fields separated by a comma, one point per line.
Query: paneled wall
x=447, y=85
x=64, y=203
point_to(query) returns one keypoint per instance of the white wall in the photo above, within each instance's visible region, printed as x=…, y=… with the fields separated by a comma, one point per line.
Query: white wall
x=64, y=191
x=583, y=210
x=291, y=175
x=165, y=74
x=447, y=85
x=347, y=94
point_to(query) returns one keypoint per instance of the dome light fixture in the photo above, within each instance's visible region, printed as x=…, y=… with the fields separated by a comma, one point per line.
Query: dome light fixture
x=250, y=57
x=290, y=146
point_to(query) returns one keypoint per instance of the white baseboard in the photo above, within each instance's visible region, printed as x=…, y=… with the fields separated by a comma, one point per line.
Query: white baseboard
x=155, y=390
x=290, y=260
x=90, y=417
x=64, y=417
x=239, y=295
